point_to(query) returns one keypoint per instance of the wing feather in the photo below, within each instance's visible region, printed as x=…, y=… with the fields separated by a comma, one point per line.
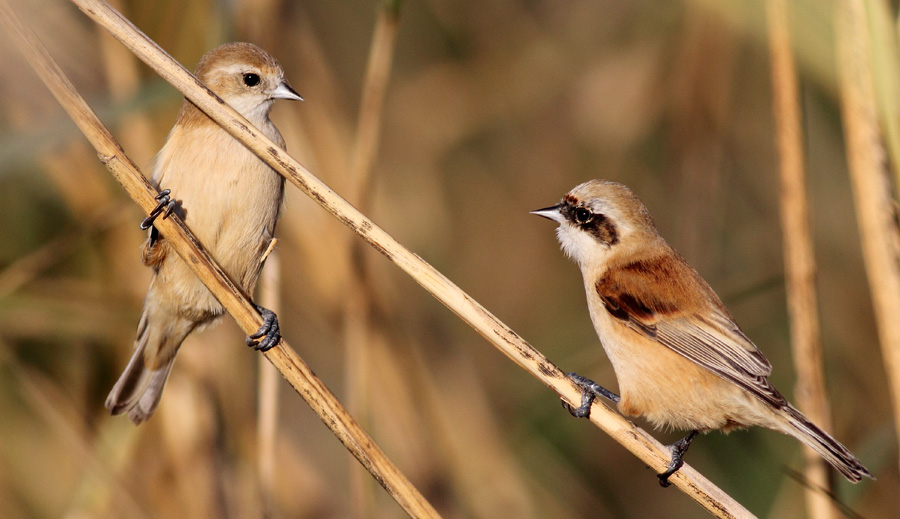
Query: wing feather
x=665, y=300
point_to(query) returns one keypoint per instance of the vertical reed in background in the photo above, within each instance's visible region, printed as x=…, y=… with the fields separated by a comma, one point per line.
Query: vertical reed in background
x=799, y=261
x=267, y=414
x=357, y=326
x=870, y=178
x=123, y=78
x=257, y=22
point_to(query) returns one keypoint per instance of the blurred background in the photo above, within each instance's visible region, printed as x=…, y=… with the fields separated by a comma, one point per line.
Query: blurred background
x=491, y=109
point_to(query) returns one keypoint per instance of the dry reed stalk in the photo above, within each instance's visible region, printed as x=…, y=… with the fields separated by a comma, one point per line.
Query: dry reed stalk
x=236, y=303
x=368, y=130
x=256, y=21
x=868, y=160
x=357, y=327
x=357, y=337
x=799, y=260
x=124, y=80
x=267, y=420
x=636, y=440
x=640, y=443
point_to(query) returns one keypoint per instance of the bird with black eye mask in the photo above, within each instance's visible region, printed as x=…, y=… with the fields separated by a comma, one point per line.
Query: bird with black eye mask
x=680, y=359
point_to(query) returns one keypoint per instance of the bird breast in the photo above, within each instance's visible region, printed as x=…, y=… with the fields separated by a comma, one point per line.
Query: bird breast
x=229, y=198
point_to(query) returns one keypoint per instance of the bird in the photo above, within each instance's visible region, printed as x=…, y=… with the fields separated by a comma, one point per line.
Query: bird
x=228, y=197
x=680, y=359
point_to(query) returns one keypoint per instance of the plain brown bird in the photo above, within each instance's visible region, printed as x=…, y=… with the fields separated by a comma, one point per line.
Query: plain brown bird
x=680, y=359
x=228, y=197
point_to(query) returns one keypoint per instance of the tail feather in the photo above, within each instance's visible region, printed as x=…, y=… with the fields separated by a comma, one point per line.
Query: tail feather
x=140, y=387
x=827, y=447
x=146, y=405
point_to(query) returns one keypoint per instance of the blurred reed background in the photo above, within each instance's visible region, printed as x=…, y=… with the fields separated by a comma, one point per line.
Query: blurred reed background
x=491, y=109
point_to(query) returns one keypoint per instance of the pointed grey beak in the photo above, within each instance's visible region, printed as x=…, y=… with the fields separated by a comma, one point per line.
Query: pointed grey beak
x=284, y=91
x=551, y=213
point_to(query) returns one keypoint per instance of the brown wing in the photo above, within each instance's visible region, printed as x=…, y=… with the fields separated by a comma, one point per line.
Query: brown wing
x=665, y=300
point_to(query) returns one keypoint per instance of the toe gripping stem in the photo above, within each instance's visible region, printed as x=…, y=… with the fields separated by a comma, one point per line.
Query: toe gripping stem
x=164, y=207
x=589, y=391
x=679, y=448
x=269, y=334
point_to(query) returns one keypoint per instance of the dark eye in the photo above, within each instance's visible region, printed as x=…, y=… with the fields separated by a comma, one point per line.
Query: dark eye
x=251, y=79
x=582, y=215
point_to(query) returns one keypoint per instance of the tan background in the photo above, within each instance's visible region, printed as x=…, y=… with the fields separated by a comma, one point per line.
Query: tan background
x=493, y=109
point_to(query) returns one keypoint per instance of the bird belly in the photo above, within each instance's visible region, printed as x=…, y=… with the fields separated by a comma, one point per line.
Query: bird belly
x=230, y=200
x=671, y=391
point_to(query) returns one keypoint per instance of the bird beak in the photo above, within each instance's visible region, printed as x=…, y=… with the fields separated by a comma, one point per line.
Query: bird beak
x=284, y=91
x=551, y=213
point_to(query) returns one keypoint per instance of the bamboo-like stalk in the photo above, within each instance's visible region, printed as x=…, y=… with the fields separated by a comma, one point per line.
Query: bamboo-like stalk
x=357, y=326
x=123, y=79
x=640, y=443
x=884, y=63
x=357, y=333
x=255, y=20
x=870, y=179
x=267, y=417
x=799, y=260
x=236, y=303
x=368, y=129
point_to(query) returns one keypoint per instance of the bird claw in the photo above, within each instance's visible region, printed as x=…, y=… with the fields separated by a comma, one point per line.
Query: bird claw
x=164, y=207
x=679, y=449
x=583, y=411
x=589, y=391
x=269, y=332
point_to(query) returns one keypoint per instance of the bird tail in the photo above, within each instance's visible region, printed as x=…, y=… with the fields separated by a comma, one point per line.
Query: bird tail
x=140, y=387
x=827, y=447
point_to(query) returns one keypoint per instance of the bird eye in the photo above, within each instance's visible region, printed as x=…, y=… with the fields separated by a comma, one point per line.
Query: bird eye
x=251, y=79
x=582, y=215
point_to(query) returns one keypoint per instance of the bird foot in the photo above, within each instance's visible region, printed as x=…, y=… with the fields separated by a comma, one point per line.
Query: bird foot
x=678, y=448
x=269, y=334
x=589, y=391
x=164, y=207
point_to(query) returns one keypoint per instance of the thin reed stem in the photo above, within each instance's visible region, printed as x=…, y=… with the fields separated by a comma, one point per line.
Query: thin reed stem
x=799, y=259
x=267, y=420
x=357, y=326
x=875, y=207
x=368, y=129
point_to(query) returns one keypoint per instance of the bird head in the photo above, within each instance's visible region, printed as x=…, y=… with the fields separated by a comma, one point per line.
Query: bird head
x=600, y=218
x=246, y=77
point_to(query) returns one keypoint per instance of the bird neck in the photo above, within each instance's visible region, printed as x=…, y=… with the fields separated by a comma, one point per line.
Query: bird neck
x=191, y=116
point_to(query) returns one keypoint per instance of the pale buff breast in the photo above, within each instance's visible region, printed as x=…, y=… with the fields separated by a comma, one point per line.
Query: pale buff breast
x=667, y=389
x=230, y=199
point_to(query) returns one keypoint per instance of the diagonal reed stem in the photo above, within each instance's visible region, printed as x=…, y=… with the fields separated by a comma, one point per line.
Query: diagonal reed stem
x=640, y=443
